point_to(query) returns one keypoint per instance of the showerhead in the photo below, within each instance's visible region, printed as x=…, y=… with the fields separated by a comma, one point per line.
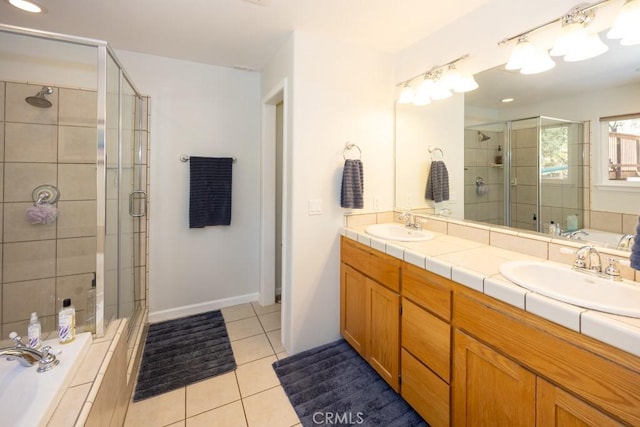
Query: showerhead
x=39, y=100
x=483, y=136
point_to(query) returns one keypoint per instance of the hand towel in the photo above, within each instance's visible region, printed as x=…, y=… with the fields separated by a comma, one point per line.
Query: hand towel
x=438, y=182
x=634, y=258
x=210, y=191
x=352, y=192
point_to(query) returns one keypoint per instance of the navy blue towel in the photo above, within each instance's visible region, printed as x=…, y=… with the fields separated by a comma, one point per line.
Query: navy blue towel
x=635, y=249
x=210, y=191
x=352, y=194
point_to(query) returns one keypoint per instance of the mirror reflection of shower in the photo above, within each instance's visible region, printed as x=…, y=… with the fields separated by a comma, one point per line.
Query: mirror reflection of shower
x=483, y=137
x=39, y=100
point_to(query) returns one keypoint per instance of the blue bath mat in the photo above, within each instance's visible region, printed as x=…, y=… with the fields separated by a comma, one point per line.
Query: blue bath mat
x=333, y=385
x=183, y=351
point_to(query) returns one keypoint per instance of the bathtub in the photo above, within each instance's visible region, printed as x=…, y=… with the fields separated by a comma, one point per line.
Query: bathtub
x=603, y=238
x=28, y=398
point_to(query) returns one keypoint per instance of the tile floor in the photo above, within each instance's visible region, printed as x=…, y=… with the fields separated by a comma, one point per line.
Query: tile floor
x=251, y=396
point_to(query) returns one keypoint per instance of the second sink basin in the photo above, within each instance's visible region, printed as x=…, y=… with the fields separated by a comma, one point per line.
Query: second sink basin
x=398, y=232
x=581, y=289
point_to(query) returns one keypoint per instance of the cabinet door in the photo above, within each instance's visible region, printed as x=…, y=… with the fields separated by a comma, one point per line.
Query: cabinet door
x=425, y=391
x=489, y=389
x=558, y=408
x=353, y=295
x=383, y=323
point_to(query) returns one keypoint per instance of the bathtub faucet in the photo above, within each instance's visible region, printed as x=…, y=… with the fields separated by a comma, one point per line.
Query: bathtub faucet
x=28, y=356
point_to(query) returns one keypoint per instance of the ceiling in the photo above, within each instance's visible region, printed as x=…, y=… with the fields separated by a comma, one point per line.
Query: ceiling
x=239, y=32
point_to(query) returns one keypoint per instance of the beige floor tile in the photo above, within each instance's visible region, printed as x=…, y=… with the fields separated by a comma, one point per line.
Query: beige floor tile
x=244, y=328
x=257, y=376
x=178, y=424
x=265, y=309
x=212, y=393
x=271, y=408
x=282, y=355
x=231, y=415
x=276, y=341
x=250, y=349
x=270, y=322
x=237, y=312
x=161, y=410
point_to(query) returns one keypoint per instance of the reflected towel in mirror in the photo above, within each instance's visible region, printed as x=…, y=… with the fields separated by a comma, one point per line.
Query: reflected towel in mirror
x=438, y=182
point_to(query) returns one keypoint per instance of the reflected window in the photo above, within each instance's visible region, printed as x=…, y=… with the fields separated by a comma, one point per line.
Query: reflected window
x=623, y=142
x=554, y=147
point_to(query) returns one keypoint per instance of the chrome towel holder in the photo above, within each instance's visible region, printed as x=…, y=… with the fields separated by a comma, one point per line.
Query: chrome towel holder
x=432, y=150
x=185, y=158
x=350, y=146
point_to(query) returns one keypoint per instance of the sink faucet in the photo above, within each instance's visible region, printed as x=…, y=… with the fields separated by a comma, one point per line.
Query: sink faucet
x=28, y=356
x=585, y=259
x=625, y=241
x=411, y=220
x=575, y=234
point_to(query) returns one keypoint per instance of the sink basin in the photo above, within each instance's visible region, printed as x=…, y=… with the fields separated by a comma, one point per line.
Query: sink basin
x=398, y=232
x=564, y=284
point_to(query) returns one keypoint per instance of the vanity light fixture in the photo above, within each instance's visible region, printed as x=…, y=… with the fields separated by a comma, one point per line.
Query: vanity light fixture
x=438, y=83
x=575, y=42
x=627, y=27
x=27, y=6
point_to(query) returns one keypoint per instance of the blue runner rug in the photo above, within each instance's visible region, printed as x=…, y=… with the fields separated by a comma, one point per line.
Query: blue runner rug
x=183, y=351
x=333, y=385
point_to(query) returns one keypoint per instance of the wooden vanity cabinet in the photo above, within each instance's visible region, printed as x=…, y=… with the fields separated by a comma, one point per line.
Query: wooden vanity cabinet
x=426, y=343
x=514, y=368
x=370, y=307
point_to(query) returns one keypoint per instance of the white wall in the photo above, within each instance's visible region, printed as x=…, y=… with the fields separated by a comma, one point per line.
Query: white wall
x=340, y=93
x=199, y=110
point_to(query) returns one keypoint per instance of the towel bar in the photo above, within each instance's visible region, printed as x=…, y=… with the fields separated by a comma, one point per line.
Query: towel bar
x=434, y=149
x=350, y=146
x=184, y=158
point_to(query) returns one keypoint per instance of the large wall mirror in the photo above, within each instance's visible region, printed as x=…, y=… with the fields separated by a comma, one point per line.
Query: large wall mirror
x=545, y=156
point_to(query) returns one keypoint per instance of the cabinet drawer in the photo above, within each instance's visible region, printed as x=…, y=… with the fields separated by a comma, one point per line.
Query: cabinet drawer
x=355, y=255
x=427, y=338
x=385, y=269
x=428, y=290
x=425, y=391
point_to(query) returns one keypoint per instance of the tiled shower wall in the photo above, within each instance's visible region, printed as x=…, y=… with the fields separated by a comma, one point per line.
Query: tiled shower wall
x=44, y=264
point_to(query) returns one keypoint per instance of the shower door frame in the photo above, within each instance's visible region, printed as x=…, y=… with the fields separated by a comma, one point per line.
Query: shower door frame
x=104, y=51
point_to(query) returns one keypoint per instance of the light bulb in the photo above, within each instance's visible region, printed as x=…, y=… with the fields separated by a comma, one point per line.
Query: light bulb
x=406, y=95
x=466, y=84
x=450, y=78
x=571, y=36
x=626, y=25
x=591, y=47
x=538, y=63
x=423, y=94
x=520, y=54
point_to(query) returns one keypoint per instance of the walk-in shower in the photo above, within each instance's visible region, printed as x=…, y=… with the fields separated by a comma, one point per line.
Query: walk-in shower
x=71, y=120
x=525, y=173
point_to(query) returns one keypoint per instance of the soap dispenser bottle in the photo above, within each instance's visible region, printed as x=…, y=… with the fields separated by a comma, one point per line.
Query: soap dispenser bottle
x=499, y=155
x=34, y=331
x=67, y=322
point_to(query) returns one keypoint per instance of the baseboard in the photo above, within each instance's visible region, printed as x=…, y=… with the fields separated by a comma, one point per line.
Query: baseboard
x=188, y=310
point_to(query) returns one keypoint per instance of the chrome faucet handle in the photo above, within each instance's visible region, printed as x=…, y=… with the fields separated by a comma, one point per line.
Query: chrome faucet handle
x=17, y=339
x=47, y=361
x=597, y=265
x=581, y=258
x=612, y=270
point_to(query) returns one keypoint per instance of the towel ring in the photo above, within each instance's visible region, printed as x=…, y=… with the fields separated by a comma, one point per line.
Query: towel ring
x=349, y=147
x=434, y=149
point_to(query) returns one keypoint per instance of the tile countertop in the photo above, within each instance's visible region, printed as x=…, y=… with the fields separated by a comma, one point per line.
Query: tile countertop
x=477, y=266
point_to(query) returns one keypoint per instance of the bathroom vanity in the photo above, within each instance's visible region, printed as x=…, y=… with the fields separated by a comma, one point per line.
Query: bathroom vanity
x=461, y=357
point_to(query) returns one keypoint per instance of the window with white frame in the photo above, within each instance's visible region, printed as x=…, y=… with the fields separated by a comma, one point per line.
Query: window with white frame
x=622, y=147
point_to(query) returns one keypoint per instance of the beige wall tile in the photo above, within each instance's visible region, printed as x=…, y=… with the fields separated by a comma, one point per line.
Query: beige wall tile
x=360, y=219
x=629, y=223
x=77, y=144
x=17, y=109
x=26, y=142
x=20, y=179
x=523, y=245
x=78, y=107
x=2, y=91
x=18, y=229
x=606, y=221
x=88, y=370
x=471, y=233
x=20, y=299
x=76, y=219
x=2, y=125
x=29, y=260
x=76, y=256
x=212, y=393
x=74, y=287
x=435, y=225
x=77, y=181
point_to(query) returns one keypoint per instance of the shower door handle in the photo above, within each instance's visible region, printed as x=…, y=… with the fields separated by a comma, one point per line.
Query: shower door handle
x=144, y=203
